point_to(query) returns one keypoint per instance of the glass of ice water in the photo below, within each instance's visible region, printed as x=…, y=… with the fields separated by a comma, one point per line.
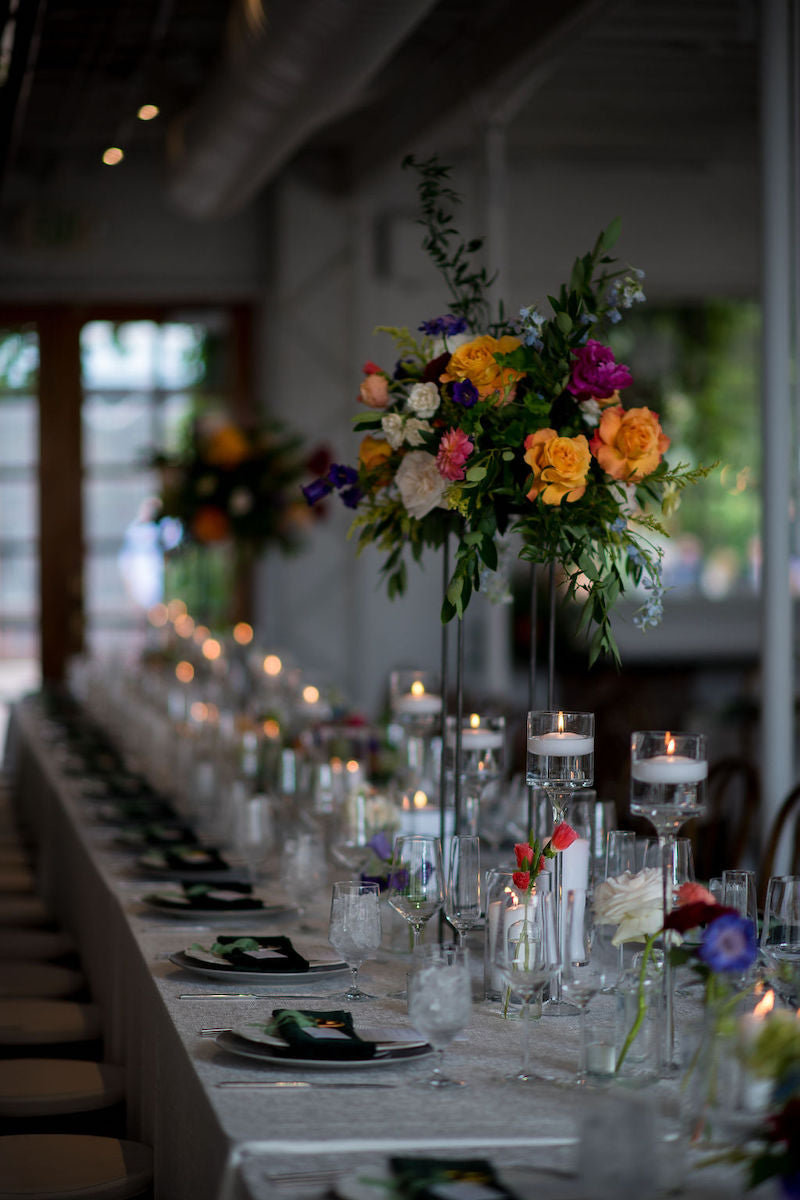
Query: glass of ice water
x=440, y=1001
x=354, y=929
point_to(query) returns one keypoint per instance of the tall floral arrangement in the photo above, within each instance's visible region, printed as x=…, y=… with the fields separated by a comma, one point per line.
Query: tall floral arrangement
x=485, y=424
x=229, y=482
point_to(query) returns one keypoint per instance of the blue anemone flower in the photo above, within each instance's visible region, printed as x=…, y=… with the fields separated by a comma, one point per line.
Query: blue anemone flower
x=465, y=393
x=729, y=944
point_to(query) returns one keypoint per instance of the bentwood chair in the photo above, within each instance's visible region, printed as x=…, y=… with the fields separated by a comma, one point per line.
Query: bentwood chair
x=788, y=816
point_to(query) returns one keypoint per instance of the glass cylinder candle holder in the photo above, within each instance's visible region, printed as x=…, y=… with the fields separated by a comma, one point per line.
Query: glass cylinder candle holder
x=668, y=778
x=477, y=757
x=415, y=700
x=560, y=750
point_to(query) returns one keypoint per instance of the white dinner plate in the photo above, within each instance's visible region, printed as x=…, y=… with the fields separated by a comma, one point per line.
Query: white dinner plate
x=388, y=1054
x=155, y=865
x=208, y=970
x=227, y=916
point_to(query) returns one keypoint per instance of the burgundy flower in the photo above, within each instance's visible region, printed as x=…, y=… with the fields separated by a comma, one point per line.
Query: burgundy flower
x=595, y=374
x=689, y=916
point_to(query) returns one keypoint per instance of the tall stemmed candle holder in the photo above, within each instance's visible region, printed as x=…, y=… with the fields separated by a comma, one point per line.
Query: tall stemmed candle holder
x=668, y=787
x=481, y=762
x=415, y=701
x=560, y=761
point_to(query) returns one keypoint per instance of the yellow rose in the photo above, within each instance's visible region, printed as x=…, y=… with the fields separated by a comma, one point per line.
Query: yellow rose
x=560, y=465
x=475, y=361
x=373, y=454
x=629, y=445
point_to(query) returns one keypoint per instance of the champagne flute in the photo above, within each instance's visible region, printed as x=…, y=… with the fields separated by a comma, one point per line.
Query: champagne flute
x=354, y=929
x=527, y=959
x=463, y=895
x=416, y=885
x=439, y=1001
x=584, y=973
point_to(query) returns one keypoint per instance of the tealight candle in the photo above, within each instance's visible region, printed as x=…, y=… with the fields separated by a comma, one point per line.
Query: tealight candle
x=669, y=768
x=426, y=704
x=563, y=744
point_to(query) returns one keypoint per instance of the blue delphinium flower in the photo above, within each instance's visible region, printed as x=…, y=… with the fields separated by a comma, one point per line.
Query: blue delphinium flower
x=465, y=393
x=635, y=556
x=619, y=525
x=342, y=476
x=529, y=327
x=729, y=944
x=351, y=497
x=446, y=326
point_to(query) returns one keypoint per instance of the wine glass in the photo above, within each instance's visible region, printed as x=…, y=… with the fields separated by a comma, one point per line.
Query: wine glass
x=780, y=937
x=584, y=973
x=527, y=959
x=463, y=895
x=354, y=929
x=440, y=1001
x=416, y=885
x=668, y=786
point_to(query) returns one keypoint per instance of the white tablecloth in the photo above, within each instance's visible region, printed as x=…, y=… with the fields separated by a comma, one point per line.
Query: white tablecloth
x=173, y=1072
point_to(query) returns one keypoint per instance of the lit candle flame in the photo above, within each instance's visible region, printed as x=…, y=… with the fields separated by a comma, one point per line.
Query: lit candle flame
x=418, y=688
x=475, y=721
x=670, y=741
x=560, y=723
x=420, y=800
x=765, y=1004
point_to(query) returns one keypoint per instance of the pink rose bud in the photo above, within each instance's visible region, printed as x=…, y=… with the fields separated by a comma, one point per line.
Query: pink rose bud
x=563, y=836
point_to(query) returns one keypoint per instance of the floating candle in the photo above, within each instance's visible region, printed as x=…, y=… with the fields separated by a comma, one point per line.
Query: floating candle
x=669, y=768
x=560, y=745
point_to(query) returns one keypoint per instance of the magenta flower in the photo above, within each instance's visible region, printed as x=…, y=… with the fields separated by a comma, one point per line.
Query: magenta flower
x=454, y=450
x=594, y=372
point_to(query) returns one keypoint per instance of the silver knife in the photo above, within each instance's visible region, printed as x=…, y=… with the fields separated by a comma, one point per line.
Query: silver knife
x=256, y=995
x=297, y=1084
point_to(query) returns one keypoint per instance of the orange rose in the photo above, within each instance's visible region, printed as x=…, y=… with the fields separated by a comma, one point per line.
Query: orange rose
x=374, y=454
x=374, y=391
x=226, y=447
x=560, y=465
x=475, y=361
x=210, y=524
x=629, y=445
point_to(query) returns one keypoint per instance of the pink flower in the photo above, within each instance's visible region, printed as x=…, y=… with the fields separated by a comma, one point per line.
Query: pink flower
x=454, y=450
x=374, y=391
x=694, y=893
x=524, y=853
x=595, y=374
x=522, y=880
x=563, y=836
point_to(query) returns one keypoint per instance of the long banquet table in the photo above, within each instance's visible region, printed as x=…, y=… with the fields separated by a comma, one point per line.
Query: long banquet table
x=236, y=1142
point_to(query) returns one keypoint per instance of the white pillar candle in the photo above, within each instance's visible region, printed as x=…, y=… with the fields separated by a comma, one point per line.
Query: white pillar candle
x=560, y=745
x=669, y=768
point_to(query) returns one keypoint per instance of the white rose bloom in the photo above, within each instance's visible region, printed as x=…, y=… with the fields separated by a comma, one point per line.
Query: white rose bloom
x=631, y=902
x=420, y=485
x=590, y=411
x=414, y=429
x=423, y=399
x=392, y=426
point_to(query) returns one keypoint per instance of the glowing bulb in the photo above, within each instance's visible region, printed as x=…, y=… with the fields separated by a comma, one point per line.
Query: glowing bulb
x=243, y=633
x=272, y=665
x=201, y=632
x=211, y=649
x=184, y=626
x=310, y=694
x=158, y=615
x=271, y=728
x=184, y=672
x=176, y=608
x=112, y=156
x=199, y=711
x=420, y=800
x=353, y=765
x=147, y=112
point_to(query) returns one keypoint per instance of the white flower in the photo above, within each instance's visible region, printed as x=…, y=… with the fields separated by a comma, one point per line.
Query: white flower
x=241, y=501
x=590, y=411
x=631, y=902
x=392, y=426
x=414, y=429
x=423, y=399
x=420, y=485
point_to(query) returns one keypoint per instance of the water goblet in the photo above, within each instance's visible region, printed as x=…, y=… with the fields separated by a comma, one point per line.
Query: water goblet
x=780, y=937
x=440, y=1001
x=527, y=959
x=463, y=893
x=668, y=786
x=354, y=929
x=620, y=852
x=416, y=886
x=585, y=972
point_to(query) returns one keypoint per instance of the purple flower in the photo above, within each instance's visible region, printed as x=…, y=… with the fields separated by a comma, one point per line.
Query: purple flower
x=351, y=497
x=379, y=879
x=465, y=393
x=594, y=372
x=446, y=326
x=381, y=844
x=317, y=490
x=341, y=476
x=729, y=944
x=399, y=879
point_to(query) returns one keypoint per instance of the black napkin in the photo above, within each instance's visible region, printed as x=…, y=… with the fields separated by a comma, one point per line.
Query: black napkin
x=433, y=1178
x=182, y=858
x=242, y=954
x=160, y=833
x=336, y=1039
x=201, y=895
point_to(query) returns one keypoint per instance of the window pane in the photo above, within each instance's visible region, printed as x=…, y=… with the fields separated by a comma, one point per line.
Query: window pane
x=116, y=429
x=18, y=511
x=181, y=356
x=111, y=505
x=19, y=586
x=19, y=359
x=18, y=431
x=111, y=581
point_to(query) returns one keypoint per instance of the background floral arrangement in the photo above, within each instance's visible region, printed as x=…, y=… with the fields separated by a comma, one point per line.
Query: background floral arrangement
x=231, y=483
x=486, y=425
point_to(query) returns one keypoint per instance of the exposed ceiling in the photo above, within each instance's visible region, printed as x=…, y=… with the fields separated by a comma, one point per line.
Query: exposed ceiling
x=343, y=84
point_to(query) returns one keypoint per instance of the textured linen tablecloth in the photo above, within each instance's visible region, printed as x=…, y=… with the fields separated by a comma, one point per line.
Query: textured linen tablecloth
x=211, y=1141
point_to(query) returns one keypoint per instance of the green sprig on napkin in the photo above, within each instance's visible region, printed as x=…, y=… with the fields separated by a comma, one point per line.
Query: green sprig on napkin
x=327, y=1034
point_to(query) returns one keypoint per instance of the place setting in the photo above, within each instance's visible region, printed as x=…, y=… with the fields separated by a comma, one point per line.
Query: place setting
x=213, y=902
